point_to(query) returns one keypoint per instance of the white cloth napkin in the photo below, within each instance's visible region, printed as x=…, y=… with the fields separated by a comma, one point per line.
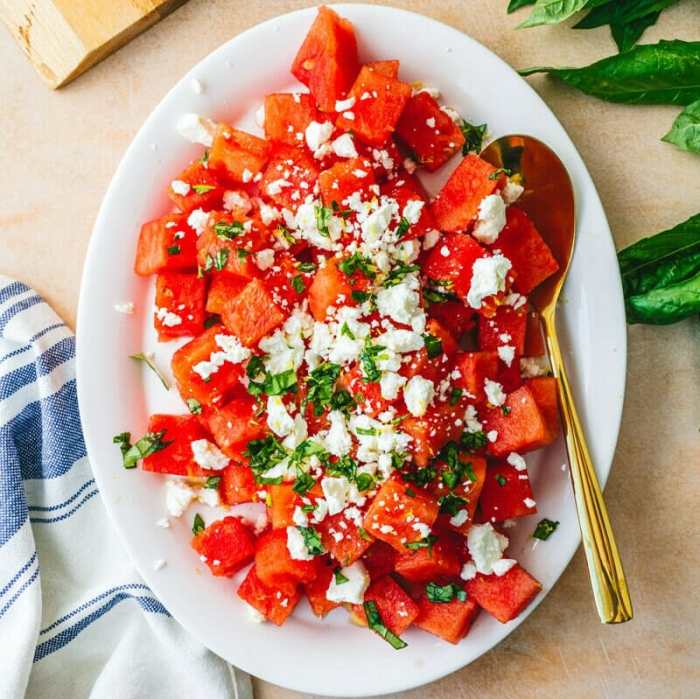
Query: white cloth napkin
x=76, y=619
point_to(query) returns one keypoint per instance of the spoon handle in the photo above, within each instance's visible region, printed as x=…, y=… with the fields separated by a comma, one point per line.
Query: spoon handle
x=610, y=590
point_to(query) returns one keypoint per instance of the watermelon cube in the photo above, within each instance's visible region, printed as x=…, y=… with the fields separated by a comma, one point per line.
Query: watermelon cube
x=196, y=187
x=180, y=300
x=274, y=604
x=316, y=589
x=343, y=179
x=506, y=596
x=288, y=115
x=252, y=314
x=450, y=262
x=342, y=538
x=275, y=567
x=436, y=562
x=395, y=606
x=237, y=484
x=236, y=155
x=227, y=545
x=177, y=458
x=236, y=424
x=450, y=621
x=506, y=494
x=167, y=244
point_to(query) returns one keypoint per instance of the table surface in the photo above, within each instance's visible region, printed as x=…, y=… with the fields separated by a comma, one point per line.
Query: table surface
x=59, y=150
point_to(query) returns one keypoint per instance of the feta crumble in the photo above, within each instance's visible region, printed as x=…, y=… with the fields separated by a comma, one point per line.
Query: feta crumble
x=491, y=219
x=208, y=455
x=352, y=591
x=488, y=278
x=417, y=394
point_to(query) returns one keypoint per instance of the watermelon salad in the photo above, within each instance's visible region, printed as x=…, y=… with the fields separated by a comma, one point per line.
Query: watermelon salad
x=360, y=369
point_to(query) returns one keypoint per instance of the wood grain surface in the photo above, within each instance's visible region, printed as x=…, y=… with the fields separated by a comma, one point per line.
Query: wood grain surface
x=59, y=150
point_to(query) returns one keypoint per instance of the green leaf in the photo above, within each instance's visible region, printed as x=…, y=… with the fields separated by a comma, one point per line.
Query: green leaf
x=213, y=482
x=661, y=260
x=544, y=529
x=321, y=385
x=312, y=541
x=517, y=4
x=426, y=543
x=473, y=136
x=340, y=579
x=433, y=345
x=667, y=305
x=663, y=73
x=174, y=250
x=375, y=623
x=553, y=12
x=149, y=361
x=627, y=34
x=194, y=406
x=398, y=274
x=228, y=231
x=203, y=188
x=451, y=504
x=368, y=360
x=446, y=593
x=198, y=524
x=149, y=444
x=298, y=284
x=323, y=215
x=685, y=132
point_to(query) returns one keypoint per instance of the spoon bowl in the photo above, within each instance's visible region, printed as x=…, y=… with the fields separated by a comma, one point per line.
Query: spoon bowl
x=548, y=198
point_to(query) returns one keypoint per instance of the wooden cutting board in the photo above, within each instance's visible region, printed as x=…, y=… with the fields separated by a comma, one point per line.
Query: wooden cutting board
x=63, y=38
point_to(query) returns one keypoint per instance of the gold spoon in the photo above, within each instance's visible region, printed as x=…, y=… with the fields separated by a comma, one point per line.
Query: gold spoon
x=549, y=200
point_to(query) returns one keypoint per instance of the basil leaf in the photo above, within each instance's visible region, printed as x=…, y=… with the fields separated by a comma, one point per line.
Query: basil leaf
x=627, y=34
x=228, y=231
x=375, y=623
x=340, y=579
x=194, y=406
x=433, y=345
x=149, y=444
x=517, y=4
x=203, y=188
x=663, y=73
x=426, y=543
x=685, y=132
x=544, y=529
x=321, y=385
x=451, y=504
x=473, y=136
x=661, y=260
x=445, y=593
x=553, y=12
x=312, y=541
x=298, y=284
x=198, y=524
x=149, y=361
x=368, y=360
x=667, y=305
x=213, y=482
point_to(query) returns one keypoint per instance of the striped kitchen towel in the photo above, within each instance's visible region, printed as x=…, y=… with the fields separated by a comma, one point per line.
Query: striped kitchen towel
x=76, y=619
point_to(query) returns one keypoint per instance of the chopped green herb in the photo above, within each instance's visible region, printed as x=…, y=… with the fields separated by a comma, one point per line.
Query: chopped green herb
x=433, y=345
x=500, y=171
x=213, y=482
x=345, y=330
x=501, y=480
x=264, y=453
x=303, y=483
x=505, y=410
x=149, y=444
x=421, y=476
x=455, y=395
x=203, y=188
x=204, y=160
x=345, y=466
x=198, y=524
x=367, y=431
x=364, y=481
x=368, y=360
x=242, y=253
x=445, y=593
x=544, y=529
x=402, y=228
x=211, y=320
x=410, y=492
x=324, y=215
x=298, y=284
x=356, y=262
x=360, y=296
x=228, y=231
x=306, y=267
x=473, y=136
x=340, y=579
x=255, y=367
x=321, y=385
x=312, y=541
x=473, y=441
x=218, y=261
x=194, y=406
x=364, y=534
x=342, y=400
x=451, y=504
x=456, y=469
x=375, y=623
x=277, y=384
x=149, y=361
x=174, y=250
x=398, y=274
x=426, y=543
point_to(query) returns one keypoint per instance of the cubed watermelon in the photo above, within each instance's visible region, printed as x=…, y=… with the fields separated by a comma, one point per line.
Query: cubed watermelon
x=227, y=545
x=289, y=171
x=450, y=621
x=506, y=494
x=475, y=368
x=274, y=604
x=343, y=179
x=316, y=589
x=343, y=539
x=224, y=286
x=450, y=262
x=167, y=244
x=395, y=606
x=287, y=116
x=504, y=596
x=236, y=424
x=236, y=155
x=180, y=300
x=196, y=187
x=252, y=314
x=436, y=562
x=275, y=567
x=237, y=484
x=177, y=458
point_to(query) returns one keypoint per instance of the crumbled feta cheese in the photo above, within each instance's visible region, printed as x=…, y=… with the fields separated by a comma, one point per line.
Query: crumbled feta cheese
x=460, y=518
x=231, y=351
x=344, y=146
x=247, y=175
x=502, y=566
x=168, y=318
x=126, y=307
x=180, y=187
x=350, y=116
x=445, y=251
x=338, y=440
x=417, y=394
x=278, y=419
x=486, y=546
x=317, y=137
x=264, y=259
x=422, y=528
x=276, y=186
x=390, y=383
x=344, y=105
x=488, y=278
x=335, y=491
x=178, y=496
x=431, y=238
x=412, y=210
x=506, y=354
x=511, y=192
x=400, y=302
x=491, y=219
x=197, y=86
x=430, y=122
x=198, y=220
x=196, y=129
x=492, y=436
x=494, y=392
x=236, y=200
x=208, y=455
x=531, y=367
x=352, y=591
x=401, y=340
x=529, y=503
x=468, y=571
x=516, y=461
x=471, y=420
x=159, y=564
x=299, y=517
x=296, y=546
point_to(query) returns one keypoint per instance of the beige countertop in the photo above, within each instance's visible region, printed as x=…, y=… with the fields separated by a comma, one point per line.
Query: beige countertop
x=58, y=151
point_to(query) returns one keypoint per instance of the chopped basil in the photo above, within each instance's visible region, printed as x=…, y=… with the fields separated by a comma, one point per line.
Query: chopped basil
x=368, y=360
x=402, y=228
x=174, y=250
x=298, y=284
x=213, y=482
x=255, y=367
x=198, y=524
x=345, y=466
x=375, y=623
x=421, y=476
x=324, y=216
x=342, y=400
x=204, y=160
x=149, y=361
x=150, y=443
x=501, y=480
x=426, y=543
x=367, y=431
x=356, y=262
x=473, y=136
x=306, y=267
x=456, y=469
x=340, y=579
x=321, y=385
x=398, y=273
x=364, y=481
x=360, y=296
x=473, y=441
x=544, y=529
x=345, y=330
x=312, y=541
x=433, y=345
x=410, y=492
x=264, y=454
x=434, y=295
x=500, y=171
x=211, y=320
x=445, y=593
x=228, y=231
x=218, y=262
x=364, y=534
x=194, y=406
x=242, y=253
x=455, y=395
x=451, y=504
x=203, y=188
x=277, y=384
x=505, y=410
x=303, y=483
